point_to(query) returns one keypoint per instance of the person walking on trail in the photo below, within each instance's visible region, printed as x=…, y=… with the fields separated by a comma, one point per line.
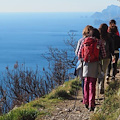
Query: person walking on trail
x=112, y=23
x=85, y=34
x=116, y=40
x=90, y=66
x=109, y=48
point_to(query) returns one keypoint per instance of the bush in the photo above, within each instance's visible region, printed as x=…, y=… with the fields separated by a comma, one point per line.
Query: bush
x=60, y=94
x=75, y=86
x=110, y=109
x=24, y=114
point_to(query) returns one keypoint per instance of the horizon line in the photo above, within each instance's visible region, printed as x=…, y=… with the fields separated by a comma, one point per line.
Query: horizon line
x=52, y=12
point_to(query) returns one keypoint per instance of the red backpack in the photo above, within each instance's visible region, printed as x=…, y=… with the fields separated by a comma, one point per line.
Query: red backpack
x=90, y=50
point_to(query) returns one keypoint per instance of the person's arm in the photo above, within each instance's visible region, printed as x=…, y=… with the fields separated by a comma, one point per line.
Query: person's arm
x=102, y=49
x=80, y=50
x=111, y=44
x=77, y=48
x=117, y=33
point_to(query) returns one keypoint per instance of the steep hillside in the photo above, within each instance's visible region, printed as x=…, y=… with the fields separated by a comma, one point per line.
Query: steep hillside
x=63, y=104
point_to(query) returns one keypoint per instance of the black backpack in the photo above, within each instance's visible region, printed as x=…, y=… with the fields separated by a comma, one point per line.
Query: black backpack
x=116, y=40
x=109, y=48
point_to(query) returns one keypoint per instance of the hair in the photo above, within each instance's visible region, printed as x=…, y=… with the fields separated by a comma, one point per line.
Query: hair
x=86, y=30
x=103, y=29
x=112, y=21
x=94, y=33
x=113, y=29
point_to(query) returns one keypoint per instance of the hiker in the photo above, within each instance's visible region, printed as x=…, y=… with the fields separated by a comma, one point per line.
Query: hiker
x=112, y=23
x=116, y=40
x=109, y=48
x=85, y=34
x=90, y=68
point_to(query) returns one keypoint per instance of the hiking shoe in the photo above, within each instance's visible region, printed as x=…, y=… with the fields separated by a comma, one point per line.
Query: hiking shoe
x=101, y=91
x=81, y=100
x=107, y=82
x=107, y=77
x=91, y=109
x=113, y=78
x=86, y=106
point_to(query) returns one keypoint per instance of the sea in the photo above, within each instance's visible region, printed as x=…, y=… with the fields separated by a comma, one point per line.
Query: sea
x=24, y=37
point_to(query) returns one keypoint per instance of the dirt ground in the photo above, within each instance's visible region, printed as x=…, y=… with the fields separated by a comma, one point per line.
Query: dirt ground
x=74, y=109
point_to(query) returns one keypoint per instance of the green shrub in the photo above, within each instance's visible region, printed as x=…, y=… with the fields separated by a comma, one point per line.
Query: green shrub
x=110, y=109
x=65, y=91
x=37, y=105
x=28, y=115
x=98, y=117
x=60, y=94
x=75, y=86
x=24, y=114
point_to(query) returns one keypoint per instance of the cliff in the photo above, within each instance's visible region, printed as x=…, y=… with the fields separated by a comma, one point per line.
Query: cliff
x=111, y=12
x=63, y=103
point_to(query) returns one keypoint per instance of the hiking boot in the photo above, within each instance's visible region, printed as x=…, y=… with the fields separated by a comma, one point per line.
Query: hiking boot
x=107, y=81
x=86, y=106
x=101, y=91
x=91, y=109
x=81, y=100
x=107, y=77
x=113, y=78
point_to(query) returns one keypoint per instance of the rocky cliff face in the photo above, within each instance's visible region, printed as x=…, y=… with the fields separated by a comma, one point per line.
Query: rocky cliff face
x=111, y=12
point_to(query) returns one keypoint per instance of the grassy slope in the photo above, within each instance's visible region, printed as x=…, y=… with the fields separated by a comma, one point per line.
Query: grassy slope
x=110, y=110
x=42, y=106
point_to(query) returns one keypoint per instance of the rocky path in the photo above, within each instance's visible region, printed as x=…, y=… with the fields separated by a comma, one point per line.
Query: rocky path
x=75, y=109
x=72, y=109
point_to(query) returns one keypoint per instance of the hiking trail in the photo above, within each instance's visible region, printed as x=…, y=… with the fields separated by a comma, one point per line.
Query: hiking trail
x=74, y=109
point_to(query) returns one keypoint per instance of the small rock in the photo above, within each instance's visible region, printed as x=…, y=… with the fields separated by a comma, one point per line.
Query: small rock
x=60, y=112
x=53, y=118
x=77, y=109
x=59, y=109
x=68, y=110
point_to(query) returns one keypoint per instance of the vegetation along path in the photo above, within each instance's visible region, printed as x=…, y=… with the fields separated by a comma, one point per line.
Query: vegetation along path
x=74, y=109
x=60, y=104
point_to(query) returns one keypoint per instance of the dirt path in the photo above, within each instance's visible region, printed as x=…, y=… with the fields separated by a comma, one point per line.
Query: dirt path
x=75, y=109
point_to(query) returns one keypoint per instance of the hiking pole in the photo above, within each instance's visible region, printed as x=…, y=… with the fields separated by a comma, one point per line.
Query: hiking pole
x=100, y=78
x=76, y=93
x=79, y=73
x=98, y=90
x=75, y=97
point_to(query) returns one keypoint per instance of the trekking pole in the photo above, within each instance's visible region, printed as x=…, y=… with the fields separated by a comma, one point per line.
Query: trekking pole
x=99, y=79
x=79, y=73
x=76, y=94
x=98, y=90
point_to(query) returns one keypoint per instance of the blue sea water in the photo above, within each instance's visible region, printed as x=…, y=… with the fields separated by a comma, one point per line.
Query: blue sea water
x=24, y=37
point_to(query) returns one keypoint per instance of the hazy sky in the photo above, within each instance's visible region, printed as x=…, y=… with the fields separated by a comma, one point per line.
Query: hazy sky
x=55, y=5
